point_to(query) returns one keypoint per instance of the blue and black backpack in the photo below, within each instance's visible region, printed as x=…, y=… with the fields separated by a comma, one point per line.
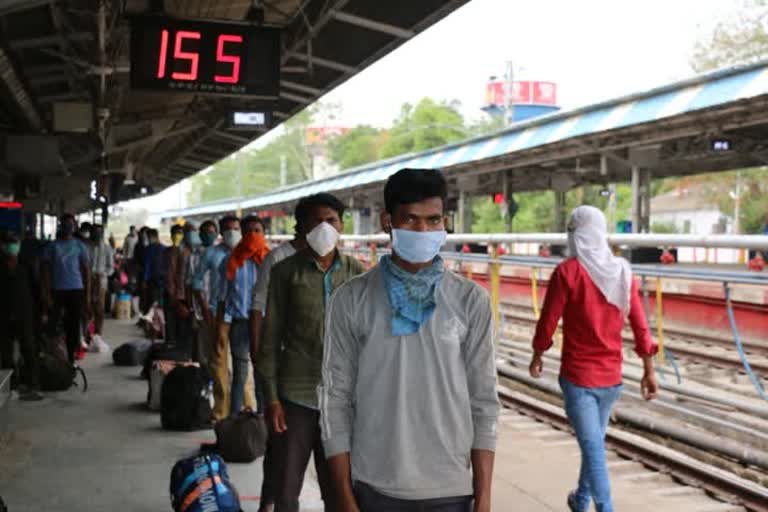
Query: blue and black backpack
x=201, y=484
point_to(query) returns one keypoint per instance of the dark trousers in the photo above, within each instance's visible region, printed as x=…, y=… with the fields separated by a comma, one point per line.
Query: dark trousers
x=272, y=468
x=368, y=500
x=301, y=440
x=68, y=310
x=21, y=329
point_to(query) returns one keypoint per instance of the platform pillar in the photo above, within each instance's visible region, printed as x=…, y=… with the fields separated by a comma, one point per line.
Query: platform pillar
x=645, y=188
x=560, y=213
x=635, y=199
x=464, y=214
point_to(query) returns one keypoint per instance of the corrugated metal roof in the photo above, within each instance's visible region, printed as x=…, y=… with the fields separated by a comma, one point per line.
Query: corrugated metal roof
x=702, y=92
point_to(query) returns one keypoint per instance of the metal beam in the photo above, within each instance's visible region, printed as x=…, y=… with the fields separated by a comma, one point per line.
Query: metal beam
x=19, y=92
x=301, y=87
x=31, y=71
x=296, y=98
x=11, y=6
x=325, y=63
x=376, y=26
x=71, y=95
x=155, y=138
x=53, y=78
x=55, y=40
x=231, y=136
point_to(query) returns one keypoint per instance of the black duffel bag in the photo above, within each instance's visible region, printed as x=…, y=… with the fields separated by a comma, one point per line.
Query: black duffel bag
x=132, y=353
x=241, y=438
x=186, y=400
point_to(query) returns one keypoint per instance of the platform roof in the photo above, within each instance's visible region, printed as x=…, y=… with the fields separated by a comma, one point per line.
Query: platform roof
x=668, y=130
x=51, y=52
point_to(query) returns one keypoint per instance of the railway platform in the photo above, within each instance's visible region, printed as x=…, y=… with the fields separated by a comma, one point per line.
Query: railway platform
x=103, y=450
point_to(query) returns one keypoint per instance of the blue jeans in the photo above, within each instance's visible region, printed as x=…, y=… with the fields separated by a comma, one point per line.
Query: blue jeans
x=240, y=346
x=589, y=410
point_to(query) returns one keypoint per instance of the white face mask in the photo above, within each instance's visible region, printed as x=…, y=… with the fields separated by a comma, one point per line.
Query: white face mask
x=323, y=238
x=232, y=238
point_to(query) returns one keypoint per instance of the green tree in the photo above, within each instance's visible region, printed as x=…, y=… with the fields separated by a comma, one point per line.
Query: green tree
x=427, y=125
x=740, y=38
x=359, y=146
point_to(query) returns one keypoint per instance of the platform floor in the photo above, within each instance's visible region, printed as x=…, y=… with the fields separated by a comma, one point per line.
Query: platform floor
x=103, y=450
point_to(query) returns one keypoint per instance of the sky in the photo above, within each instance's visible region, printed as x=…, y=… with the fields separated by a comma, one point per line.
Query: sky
x=594, y=50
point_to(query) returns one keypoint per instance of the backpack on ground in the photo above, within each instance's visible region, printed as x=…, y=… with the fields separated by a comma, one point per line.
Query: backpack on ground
x=160, y=369
x=201, y=484
x=241, y=438
x=58, y=374
x=132, y=353
x=162, y=352
x=186, y=401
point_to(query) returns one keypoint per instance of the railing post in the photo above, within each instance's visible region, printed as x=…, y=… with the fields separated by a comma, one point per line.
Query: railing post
x=660, y=356
x=495, y=268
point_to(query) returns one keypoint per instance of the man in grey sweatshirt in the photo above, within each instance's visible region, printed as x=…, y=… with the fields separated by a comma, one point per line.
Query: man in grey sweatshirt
x=408, y=398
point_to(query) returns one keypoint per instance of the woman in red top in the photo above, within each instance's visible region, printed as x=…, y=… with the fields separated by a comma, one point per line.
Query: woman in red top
x=593, y=292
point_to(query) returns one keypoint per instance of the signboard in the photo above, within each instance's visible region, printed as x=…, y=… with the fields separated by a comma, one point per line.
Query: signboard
x=251, y=120
x=524, y=92
x=207, y=57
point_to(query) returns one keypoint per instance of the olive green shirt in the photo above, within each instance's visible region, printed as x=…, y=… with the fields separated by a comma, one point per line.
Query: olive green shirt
x=291, y=349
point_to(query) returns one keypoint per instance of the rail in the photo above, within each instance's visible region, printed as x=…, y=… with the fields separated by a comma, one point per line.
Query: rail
x=753, y=242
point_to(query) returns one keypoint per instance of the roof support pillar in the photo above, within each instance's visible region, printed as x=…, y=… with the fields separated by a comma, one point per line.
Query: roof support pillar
x=560, y=212
x=641, y=200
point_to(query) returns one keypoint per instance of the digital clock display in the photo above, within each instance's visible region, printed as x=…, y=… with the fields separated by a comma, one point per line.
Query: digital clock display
x=204, y=57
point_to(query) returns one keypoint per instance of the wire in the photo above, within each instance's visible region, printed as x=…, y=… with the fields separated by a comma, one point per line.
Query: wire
x=740, y=347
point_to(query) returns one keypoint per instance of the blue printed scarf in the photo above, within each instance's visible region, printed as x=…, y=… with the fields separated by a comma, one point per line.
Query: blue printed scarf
x=411, y=296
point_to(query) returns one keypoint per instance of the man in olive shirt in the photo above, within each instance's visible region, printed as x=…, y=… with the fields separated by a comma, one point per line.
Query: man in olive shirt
x=291, y=349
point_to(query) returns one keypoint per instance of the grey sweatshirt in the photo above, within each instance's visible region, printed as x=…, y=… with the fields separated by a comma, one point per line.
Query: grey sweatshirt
x=410, y=408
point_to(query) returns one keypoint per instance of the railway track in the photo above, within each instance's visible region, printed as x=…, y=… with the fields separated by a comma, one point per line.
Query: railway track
x=728, y=492
x=683, y=345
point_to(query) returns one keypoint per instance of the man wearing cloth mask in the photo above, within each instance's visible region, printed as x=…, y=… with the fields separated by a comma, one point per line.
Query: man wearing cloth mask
x=102, y=267
x=67, y=282
x=273, y=455
x=240, y=271
x=593, y=291
x=409, y=371
x=291, y=348
x=17, y=317
x=210, y=270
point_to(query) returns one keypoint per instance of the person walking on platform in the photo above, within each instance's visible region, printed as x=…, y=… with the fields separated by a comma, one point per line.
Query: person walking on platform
x=67, y=282
x=273, y=455
x=593, y=291
x=291, y=348
x=102, y=267
x=408, y=397
x=17, y=317
x=239, y=273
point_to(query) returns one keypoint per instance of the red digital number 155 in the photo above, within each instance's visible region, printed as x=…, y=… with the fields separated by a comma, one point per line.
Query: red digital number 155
x=193, y=57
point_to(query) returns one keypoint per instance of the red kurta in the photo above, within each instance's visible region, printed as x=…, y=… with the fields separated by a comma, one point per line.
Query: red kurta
x=592, y=345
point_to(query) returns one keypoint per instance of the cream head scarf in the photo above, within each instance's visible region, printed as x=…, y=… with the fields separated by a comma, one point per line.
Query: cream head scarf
x=587, y=240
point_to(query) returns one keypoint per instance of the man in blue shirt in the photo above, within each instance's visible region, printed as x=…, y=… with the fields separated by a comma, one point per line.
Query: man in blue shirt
x=67, y=279
x=238, y=277
x=206, y=286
